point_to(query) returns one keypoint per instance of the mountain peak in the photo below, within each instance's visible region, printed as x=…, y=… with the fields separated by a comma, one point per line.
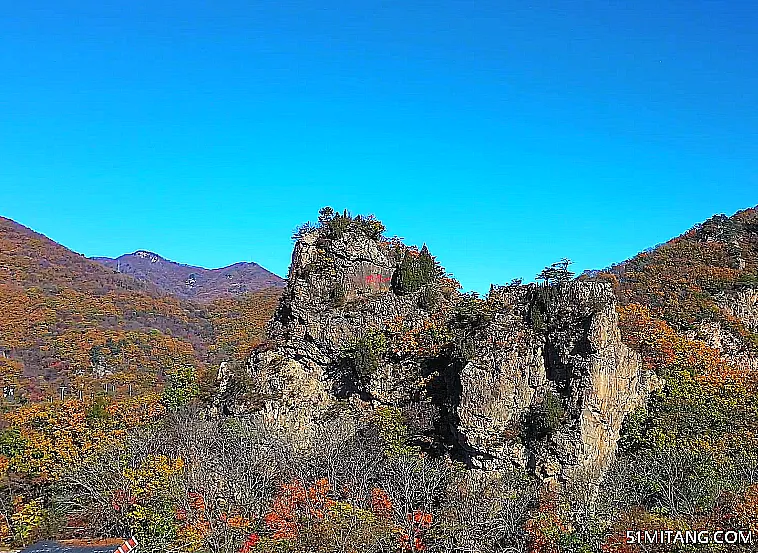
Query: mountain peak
x=193, y=282
x=144, y=254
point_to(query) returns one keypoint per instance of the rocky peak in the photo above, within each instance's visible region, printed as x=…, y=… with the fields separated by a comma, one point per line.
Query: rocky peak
x=547, y=380
x=150, y=256
x=341, y=286
x=535, y=376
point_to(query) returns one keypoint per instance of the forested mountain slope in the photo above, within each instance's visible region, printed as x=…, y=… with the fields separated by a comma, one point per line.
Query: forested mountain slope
x=68, y=321
x=694, y=278
x=386, y=411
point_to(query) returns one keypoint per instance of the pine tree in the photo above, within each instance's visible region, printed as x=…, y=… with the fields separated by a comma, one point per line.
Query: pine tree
x=556, y=273
x=416, y=271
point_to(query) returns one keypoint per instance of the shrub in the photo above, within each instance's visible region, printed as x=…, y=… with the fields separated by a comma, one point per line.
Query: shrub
x=11, y=443
x=365, y=355
x=181, y=389
x=393, y=430
x=334, y=224
x=471, y=313
x=429, y=297
x=544, y=418
x=98, y=411
x=302, y=230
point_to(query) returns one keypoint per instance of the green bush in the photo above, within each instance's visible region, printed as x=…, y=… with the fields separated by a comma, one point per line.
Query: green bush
x=182, y=387
x=429, y=297
x=333, y=225
x=365, y=355
x=11, y=443
x=471, y=313
x=544, y=418
x=470, y=316
x=302, y=230
x=393, y=431
x=97, y=411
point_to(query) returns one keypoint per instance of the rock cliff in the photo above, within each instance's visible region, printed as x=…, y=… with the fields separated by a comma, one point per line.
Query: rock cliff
x=344, y=293
x=535, y=376
x=550, y=368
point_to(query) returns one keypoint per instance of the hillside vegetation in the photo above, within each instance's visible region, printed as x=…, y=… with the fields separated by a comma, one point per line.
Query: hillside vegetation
x=685, y=280
x=68, y=321
x=687, y=459
x=367, y=467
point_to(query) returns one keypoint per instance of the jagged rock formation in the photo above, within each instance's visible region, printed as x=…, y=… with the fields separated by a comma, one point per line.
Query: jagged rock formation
x=339, y=291
x=549, y=366
x=534, y=376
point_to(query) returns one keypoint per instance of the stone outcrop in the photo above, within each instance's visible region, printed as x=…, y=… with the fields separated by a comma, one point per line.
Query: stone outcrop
x=742, y=304
x=538, y=377
x=339, y=290
x=739, y=305
x=552, y=352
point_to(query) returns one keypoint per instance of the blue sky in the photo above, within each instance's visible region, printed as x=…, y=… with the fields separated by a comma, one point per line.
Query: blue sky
x=505, y=135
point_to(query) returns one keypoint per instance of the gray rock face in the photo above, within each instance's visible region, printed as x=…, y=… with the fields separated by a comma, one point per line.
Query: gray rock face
x=556, y=353
x=542, y=381
x=742, y=305
x=338, y=291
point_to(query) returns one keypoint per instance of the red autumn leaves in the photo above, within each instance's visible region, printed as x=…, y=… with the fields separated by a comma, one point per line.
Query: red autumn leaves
x=295, y=502
x=419, y=522
x=296, y=506
x=297, y=510
x=250, y=543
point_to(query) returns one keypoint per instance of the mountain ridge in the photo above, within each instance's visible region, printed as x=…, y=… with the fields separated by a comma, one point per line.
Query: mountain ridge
x=70, y=321
x=192, y=282
x=588, y=397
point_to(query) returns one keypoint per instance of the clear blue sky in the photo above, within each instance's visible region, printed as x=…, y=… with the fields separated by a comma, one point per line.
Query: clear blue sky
x=505, y=135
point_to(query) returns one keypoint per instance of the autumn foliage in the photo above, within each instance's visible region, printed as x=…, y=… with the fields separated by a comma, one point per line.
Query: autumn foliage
x=684, y=458
x=68, y=321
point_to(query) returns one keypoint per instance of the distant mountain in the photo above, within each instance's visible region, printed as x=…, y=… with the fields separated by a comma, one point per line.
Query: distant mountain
x=66, y=320
x=193, y=283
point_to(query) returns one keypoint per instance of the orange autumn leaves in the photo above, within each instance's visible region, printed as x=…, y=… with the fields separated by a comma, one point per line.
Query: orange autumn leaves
x=381, y=504
x=67, y=320
x=298, y=512
x=55, y=335
x=238, y=323
x=546, y=525
x=294, y=502
x=51, y=436
x=40, y=442
x=661, y=346
x=299, y=517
